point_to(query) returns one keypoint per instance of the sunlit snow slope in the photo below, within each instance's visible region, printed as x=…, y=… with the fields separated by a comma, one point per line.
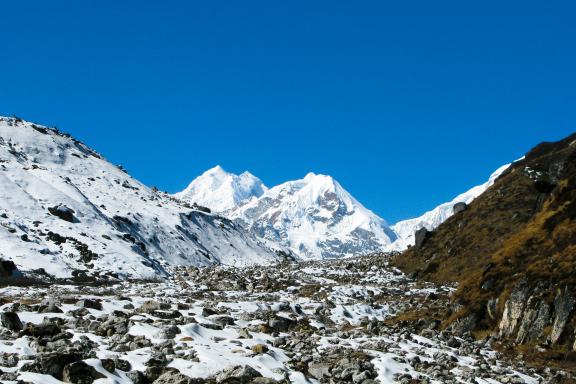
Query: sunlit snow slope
x=220, y=190
x=316, y=218
x=116, y=225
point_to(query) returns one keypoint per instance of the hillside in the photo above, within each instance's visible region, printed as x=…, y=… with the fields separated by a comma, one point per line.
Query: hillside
x=513, y=254
x=65, y=211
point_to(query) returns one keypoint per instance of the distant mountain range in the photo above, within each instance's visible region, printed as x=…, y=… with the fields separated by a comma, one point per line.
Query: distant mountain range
x=314, y=217
x=66, y=211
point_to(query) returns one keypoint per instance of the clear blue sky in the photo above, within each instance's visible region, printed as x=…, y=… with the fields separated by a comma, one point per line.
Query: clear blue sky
x=406, y=103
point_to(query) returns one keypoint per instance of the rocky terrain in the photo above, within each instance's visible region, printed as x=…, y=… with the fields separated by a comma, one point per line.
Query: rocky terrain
x=340, y=321
x=512, y=251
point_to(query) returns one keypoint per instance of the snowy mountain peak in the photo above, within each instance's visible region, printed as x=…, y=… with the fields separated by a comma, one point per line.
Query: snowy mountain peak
x=316, y=218
x=220, y=190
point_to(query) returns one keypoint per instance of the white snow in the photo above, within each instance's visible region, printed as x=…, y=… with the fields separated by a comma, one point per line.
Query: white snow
x=220, y=190
x=132, y=230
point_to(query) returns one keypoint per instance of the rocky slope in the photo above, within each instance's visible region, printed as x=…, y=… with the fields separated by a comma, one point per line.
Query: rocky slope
x=65, y=211
x=338, y=321
x=512, y=251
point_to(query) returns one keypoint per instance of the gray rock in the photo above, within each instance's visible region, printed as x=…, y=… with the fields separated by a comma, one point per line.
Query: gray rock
x=420, y=237
x=175, y=377
x=513, y=310
x=63, y=212
x=80, y=373
x=88, y=303
x=11, y=321
x=459, y=207
x=237, y=375
x=563, y=305
x=319, y=371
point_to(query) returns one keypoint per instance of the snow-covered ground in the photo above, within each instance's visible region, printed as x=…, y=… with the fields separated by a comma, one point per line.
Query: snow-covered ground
x=316, y=322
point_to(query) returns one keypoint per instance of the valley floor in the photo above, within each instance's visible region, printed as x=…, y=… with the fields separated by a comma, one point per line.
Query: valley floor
x=316, y=322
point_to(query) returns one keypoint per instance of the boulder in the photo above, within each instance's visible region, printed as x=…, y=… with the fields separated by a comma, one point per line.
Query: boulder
x=7, y=268
x=281, y=324
x=237, y=375
x=89, y=303
x=319, y=371
x=41, y=330
x=175, y=377
x=259, y=349
x=52, y=364
x=63, y=212
x=459, y=207
x=11, y=321
x=420, y=237
x=80, y=373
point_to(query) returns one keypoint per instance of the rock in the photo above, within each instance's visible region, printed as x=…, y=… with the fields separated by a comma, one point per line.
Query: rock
x=260, y=348
x=223, y=320
x=319, y=371
x=420, y=237
x=80, y=373
x=464, y=324
x=89, y=303
x=361, y=377
x=536, y=318
x=169, y=332
x=206, y=311
x=237, y=375
x=513, y=310
x=108, y=364
x=63, y=212
x=51, y=363
x=137, y=377
x=244, y=334
x=563, y=305
x=41, y=330
x=9, y=359
x=459, y=207
x=264, y=380
x=122, y=365
x=453, y=343
x=11, y=321
x=175, y=377
x=281, y=324
x=7, y=268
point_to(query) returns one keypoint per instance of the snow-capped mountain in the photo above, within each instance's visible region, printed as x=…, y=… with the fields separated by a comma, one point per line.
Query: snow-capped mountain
x=430, y=220
x=314, y=217
x=66, y=210
x=221, y=191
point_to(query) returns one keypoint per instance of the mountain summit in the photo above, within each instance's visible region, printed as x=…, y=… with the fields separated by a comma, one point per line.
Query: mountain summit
x=221, y=191
x=316, y=218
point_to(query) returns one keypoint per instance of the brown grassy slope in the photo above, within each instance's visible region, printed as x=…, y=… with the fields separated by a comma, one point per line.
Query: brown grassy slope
x=507, y=217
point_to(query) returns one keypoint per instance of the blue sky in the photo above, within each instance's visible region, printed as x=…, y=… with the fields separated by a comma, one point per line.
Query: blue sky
x=406, y=103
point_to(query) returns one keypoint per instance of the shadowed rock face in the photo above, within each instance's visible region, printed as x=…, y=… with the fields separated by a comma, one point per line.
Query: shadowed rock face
x=7, y=268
